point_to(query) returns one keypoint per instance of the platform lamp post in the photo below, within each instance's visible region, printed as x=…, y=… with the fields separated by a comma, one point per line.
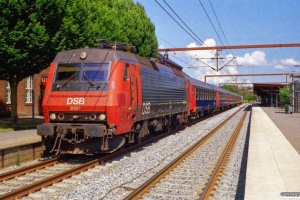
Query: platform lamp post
x=32, y=98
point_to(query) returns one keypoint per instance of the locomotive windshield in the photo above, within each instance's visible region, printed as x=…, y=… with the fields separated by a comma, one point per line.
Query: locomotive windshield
x=95, y=72
x=81, y=76
x=64, y=72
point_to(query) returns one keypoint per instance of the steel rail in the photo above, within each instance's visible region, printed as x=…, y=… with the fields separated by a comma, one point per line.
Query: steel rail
x=138, y=193
x=210, y=186
x=31, y=188
x=24, y=170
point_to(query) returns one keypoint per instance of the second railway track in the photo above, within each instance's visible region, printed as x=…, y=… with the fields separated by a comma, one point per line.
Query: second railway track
x=196, y=173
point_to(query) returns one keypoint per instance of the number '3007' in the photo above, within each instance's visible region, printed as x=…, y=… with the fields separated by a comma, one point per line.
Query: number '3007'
x=74, y=107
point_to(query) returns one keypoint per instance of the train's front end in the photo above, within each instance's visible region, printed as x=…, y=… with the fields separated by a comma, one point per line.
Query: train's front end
x=74, y=103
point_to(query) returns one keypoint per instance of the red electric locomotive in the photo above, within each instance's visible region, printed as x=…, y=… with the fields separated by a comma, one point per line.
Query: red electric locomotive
x=98, y=99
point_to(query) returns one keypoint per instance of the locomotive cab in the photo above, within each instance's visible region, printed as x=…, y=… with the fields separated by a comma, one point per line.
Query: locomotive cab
x=86, y=96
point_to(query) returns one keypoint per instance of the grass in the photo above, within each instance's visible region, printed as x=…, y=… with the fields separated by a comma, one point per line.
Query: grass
x=17, y=162
x=6, y=128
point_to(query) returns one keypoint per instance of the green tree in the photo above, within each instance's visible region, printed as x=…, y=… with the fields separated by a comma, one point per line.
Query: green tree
x=33, y=31
x=284, y=95
x=25, y=42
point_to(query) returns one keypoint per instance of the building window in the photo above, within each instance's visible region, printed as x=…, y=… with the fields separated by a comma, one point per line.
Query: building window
x=7, y=93
x=28, y=89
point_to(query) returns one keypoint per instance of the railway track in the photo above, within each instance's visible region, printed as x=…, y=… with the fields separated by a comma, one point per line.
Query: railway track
x=194, y=174
x=25, y=170
x=18, y=181
x=27, y=189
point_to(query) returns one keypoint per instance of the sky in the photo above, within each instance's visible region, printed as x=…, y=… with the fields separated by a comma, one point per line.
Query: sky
x=230, y=22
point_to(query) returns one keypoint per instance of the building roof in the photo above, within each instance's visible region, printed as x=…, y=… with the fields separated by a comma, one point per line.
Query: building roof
x=269, y=88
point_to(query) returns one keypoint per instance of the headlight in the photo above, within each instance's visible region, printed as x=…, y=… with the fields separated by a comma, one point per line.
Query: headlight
x=102, y=117
x=52, y=116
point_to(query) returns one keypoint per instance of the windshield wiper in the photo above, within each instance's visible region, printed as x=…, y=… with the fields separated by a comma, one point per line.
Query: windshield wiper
x=89, y=80
x=68, y=80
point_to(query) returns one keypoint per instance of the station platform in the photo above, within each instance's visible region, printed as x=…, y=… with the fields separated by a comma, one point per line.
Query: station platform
x=11, y=139
x=273, y=164
x=19, y=147
x=20, y=137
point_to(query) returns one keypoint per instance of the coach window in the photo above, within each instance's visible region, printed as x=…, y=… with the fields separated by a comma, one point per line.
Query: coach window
x=126, y=69
x=201, y=98
x=198, y=94
x=207, y=94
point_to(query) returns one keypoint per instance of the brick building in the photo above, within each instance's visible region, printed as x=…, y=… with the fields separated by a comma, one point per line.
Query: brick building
x=36, y=83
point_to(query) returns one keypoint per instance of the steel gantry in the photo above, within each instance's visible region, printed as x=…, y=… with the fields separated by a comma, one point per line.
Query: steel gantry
x=220, y=48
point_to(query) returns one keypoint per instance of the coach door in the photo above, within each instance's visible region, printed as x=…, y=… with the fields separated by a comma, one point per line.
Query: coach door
x=133, y=92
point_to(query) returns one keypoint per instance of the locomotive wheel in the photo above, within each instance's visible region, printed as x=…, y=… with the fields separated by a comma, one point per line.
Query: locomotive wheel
x=167, y=128
x=116, y=142
x=138, y=139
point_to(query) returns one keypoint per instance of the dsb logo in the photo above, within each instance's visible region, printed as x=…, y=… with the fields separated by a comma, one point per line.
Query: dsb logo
x=75, y=101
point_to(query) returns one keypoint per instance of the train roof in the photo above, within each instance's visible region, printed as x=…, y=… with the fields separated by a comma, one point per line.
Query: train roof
x=200, y=83
x=207, y=85
x=106, y=55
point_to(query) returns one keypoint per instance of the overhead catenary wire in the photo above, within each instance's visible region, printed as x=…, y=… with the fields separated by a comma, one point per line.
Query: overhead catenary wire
x=226, y=70
x=181, y=25
x=221, y=29
x=186, y=25
x=189, y=27
x=176, y=56
x=215, y=31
